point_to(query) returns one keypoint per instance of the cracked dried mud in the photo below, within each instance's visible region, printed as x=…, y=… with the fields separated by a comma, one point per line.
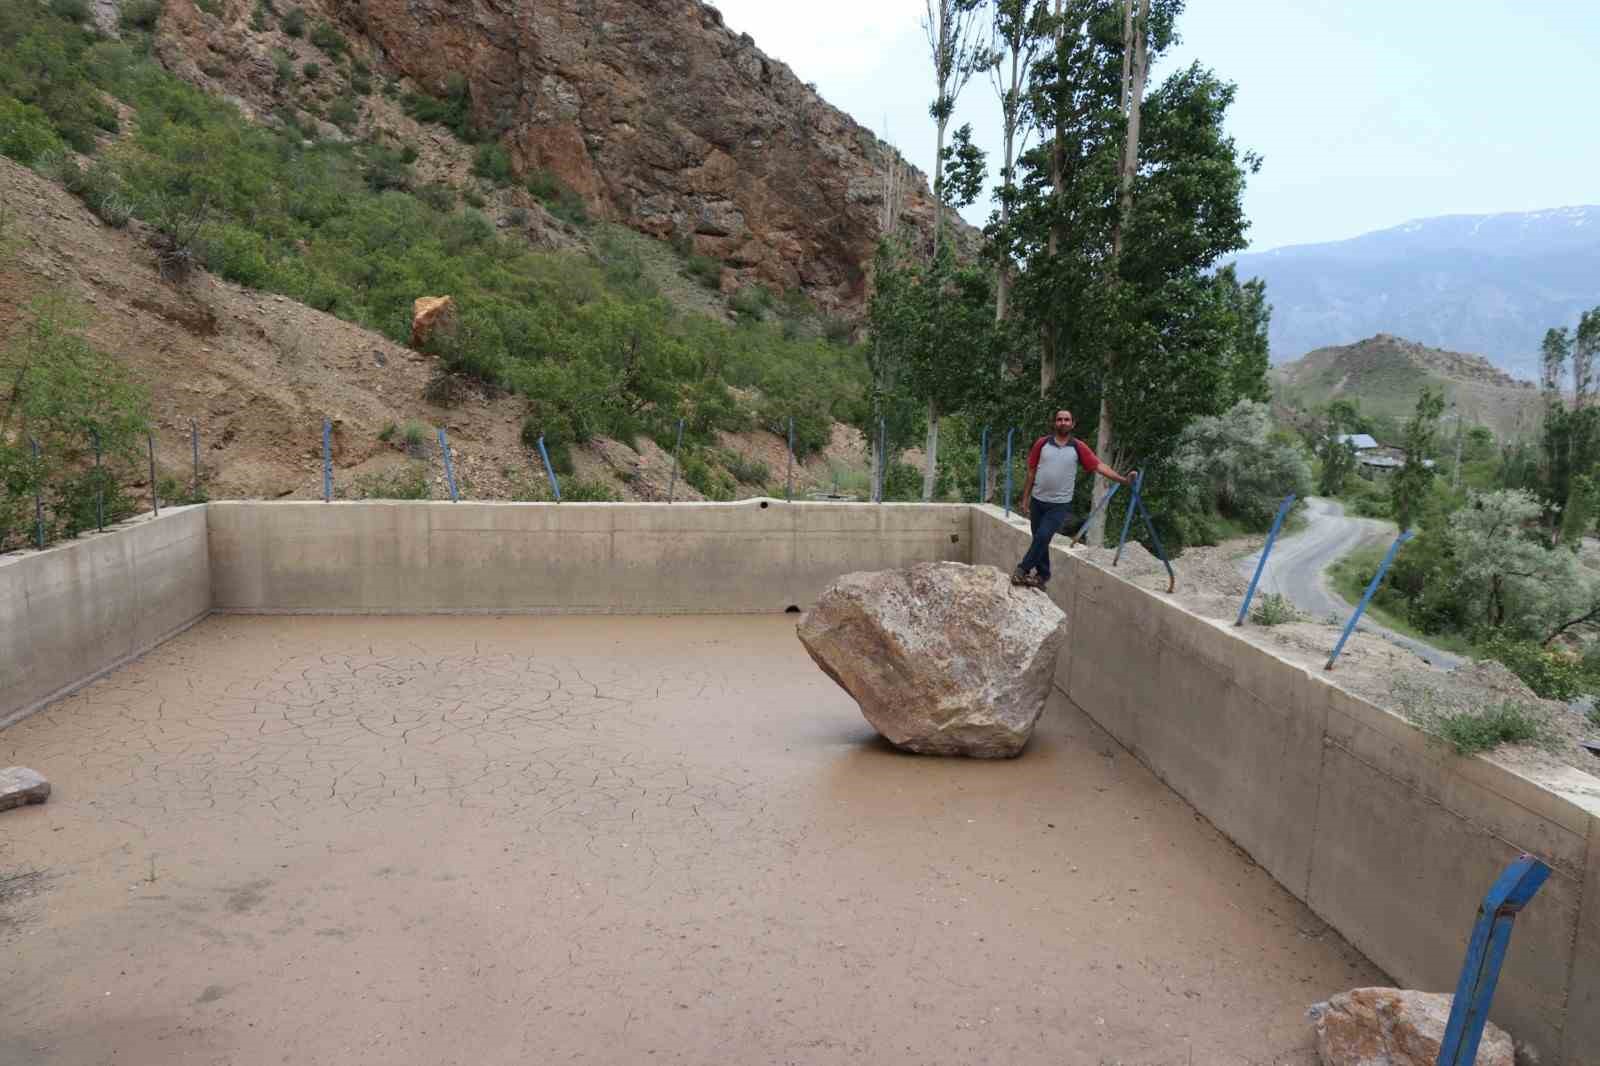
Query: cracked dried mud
x=509, y=840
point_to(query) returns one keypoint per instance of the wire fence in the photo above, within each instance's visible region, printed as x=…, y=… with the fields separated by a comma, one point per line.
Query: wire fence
x=95, y=500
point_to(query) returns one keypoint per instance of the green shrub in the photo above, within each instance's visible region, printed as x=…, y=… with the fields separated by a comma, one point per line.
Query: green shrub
x=258, y=17
x=294, y=23
x=140, y=16
x=453, y=109
x=311, y=71
x=210, y=7
x=580, y=490
x=437, y=195
x=1594, y=716
x=330, y=40
x=1273, y=609
x=387, y=433
x=752, y=304
x=1550, y=675
x=71, y=10
x=744, y=469
x=407, y=482
x=361, y=85
x=344, y=114
x=1510, y=722
x=492, y=163
x=712, y=482
x=705, y=270
x=26, y=133
x=283, y=68
x=473, y=198
x=416, y=435
x=558, y=197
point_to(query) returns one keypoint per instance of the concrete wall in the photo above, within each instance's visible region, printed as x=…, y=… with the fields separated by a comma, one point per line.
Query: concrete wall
x=72, y=612
x=1386, y=835
x=378, y=557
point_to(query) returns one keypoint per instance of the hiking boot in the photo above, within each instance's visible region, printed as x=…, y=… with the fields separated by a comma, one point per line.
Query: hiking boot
x=1019, y=578
x=1034, y=581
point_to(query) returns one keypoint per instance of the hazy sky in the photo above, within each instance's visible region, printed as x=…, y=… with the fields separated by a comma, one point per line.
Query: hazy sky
x=1368, y=113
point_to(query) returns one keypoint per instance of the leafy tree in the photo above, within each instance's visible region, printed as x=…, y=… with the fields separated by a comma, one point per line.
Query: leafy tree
x=1337, y=455
x=1410, y=483
x=1230, y=465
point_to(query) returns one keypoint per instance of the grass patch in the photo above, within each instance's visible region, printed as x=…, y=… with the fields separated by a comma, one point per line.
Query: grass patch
x=408, y=482
x=1469, y=732
x=1272, y=610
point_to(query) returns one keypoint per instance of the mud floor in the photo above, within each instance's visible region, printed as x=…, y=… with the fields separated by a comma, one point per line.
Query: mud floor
x=601, y=840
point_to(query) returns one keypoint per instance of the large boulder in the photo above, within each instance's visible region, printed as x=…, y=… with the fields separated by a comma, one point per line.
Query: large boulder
x=20, y=786
x=943, y=658
x=1395, y=1027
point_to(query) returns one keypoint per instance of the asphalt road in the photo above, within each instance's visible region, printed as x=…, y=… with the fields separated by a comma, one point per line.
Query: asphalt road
x=1296, y=569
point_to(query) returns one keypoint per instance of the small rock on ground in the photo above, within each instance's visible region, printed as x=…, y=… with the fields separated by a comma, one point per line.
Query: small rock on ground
x=20, y=786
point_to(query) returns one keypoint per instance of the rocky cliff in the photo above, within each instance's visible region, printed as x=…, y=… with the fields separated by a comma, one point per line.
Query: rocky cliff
x=653, y=111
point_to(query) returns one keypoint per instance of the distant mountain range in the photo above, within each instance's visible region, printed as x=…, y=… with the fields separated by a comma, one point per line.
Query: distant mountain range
x=1490, y=284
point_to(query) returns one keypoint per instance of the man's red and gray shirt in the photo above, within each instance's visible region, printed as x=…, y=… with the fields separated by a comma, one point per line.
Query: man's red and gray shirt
x=1055, y=467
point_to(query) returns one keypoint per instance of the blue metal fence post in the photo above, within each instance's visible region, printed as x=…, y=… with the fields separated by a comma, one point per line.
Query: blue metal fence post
x=983, y=466
x=155, y=497
x=38, y=496
x=788, y=478
x=1266, y=550
x=1486, y=953
x=449, y=467
x=194, y=446
x=327, y=461
x=1155, y=538
x=550, y=471
x=1009, y=434
x=1127, y=519
x=1366, y=597
x=99, y=485
x=672, y=486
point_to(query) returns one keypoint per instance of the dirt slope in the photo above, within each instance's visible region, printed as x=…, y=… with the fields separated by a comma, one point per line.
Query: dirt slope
x=258, y=373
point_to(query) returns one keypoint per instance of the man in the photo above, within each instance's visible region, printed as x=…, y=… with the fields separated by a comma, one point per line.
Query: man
x=1047, y=494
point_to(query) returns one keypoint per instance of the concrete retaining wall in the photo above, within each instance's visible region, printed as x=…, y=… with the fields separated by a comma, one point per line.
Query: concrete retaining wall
x=1388, y=837
x=72, y=612
x=381, y=557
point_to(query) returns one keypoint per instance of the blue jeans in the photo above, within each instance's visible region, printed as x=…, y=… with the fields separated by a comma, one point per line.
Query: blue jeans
x=1048, y=519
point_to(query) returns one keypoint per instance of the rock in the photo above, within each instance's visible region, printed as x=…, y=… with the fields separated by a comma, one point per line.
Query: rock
x=429, y=314
x=20, y=786
x=943, y=658
x=1395, y=1027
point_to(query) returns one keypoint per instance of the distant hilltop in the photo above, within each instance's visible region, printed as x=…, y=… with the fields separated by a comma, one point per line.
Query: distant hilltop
x=1385, y=374
x=1478, y=283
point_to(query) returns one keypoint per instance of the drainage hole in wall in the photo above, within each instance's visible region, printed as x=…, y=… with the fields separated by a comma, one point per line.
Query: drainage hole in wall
x=955, y=538
x=791, y=609
x=763, y=505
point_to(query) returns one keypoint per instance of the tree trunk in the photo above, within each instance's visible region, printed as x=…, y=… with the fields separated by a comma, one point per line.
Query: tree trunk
x=938, y=185
x=930, y=473
x=1135, y=67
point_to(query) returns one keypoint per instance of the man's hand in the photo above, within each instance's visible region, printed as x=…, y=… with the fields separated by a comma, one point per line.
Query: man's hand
x=1130, y=477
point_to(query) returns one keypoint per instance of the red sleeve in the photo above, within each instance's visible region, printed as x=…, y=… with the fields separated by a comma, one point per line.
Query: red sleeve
x=1086, y=456
x=1033, y=455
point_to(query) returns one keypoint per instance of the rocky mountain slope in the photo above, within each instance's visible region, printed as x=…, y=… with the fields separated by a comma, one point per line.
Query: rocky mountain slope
x=1481, y=283
x=255, y=373
x=1386, y=374
x=652, y=112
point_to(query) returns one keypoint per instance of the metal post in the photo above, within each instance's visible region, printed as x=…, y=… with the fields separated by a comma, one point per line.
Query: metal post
x=983, y=466
x=672, y=486
x=155, y=501
x=1127, y=519
x=1366, y=597
x=1266, y=550
x=1155, y=538
x=1009, y=434
x=1486, y=953
x=550, y=472
x=194, y=446
x=327, y=461
x=788, y=480
x=1077, y=538
x=38, y=496
x=99, y=485
x=449, y=467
